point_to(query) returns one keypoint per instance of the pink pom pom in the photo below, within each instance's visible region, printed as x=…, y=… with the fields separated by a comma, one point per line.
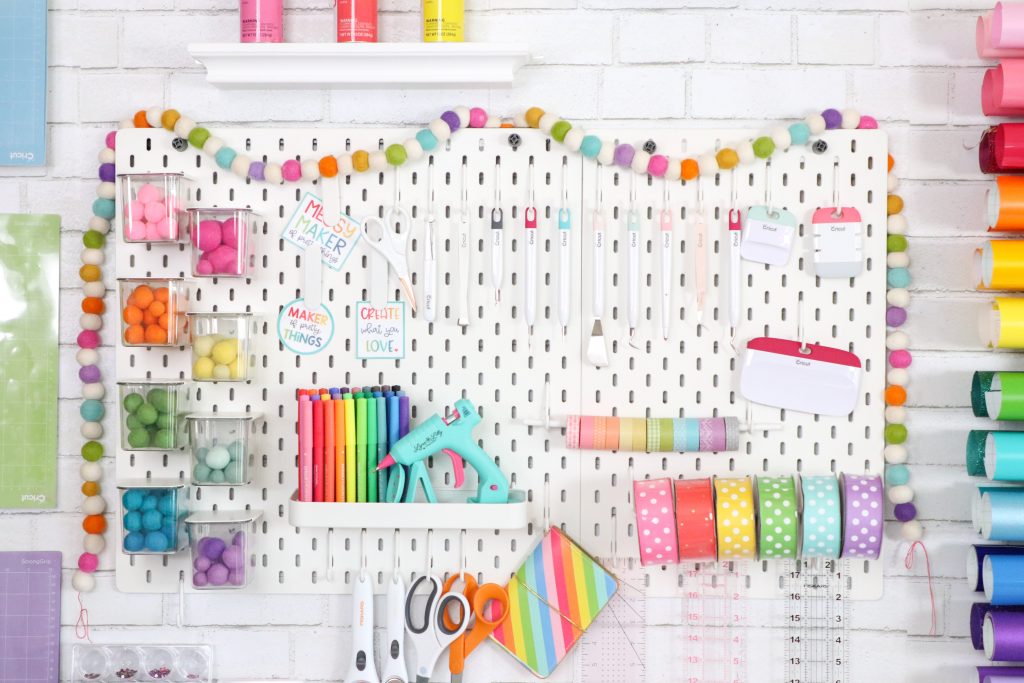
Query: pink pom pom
x=88, y=562
x=135, y=231
x=152, y=232
x=900, y=359
x=207, y=235
x=163, y=229
x=867, y=123
x=155, y=212
x=224, y=260
x=229, y=233
x=477, y=118
x=111, y=139
x=291, y=170
x=149, y=193
x=88, y=339
x=137, y=210
x=657, y=165
x=204, y=267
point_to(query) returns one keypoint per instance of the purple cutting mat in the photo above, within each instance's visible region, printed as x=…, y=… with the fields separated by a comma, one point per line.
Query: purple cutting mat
x=30, y=617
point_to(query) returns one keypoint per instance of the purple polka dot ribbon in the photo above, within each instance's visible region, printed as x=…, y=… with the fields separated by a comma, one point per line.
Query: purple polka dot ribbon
x=863, y=514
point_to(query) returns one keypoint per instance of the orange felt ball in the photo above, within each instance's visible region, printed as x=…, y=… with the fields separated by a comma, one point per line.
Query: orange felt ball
x=156, y=334
x=92, y=304
x=140, y=119
x=135, y=334
x=891, y=162
x=148, y=318
x=94, y=524
x=328, y=167
x=90, y=273
x=142, y=296
x=157, y=308
x=132, y=315
x=690, y=169
x=90, y=488
x=164, y=320
x=894, y=204
x=895, y=395
x=161, y=294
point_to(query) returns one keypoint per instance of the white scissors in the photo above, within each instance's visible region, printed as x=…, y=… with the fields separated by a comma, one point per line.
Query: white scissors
x=393, y=243
x=432, y=637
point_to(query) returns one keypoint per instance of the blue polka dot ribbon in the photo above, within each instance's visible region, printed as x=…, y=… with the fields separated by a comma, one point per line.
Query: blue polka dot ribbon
x=823, y=533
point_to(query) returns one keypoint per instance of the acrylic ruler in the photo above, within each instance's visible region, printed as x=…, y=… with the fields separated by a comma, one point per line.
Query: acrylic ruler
x=818, y=608
x=614, y=648
x=714, y=644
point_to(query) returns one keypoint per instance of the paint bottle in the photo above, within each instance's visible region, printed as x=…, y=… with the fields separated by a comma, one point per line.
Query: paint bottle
x=262, y=21
x=443, y=21
x=357, y=21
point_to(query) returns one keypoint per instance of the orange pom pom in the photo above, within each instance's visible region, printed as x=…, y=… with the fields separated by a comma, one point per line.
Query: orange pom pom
x=156, y=334
x=94, y=524
x=92, y=304
x=161, y=295
x=891, y=162
x=328, y=167
x=143, y=296
x=148, y=318
x=132, y=315
x=135, y=334
x=140, y=119
x=894, y=204
x=164, y=320
x=157, y=308
x=90, y=273
x=690, y=169
x=895, y=395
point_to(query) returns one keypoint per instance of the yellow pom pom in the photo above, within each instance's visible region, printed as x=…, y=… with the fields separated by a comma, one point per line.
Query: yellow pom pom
x=360, y=161
x=225, y=351
x=238, y=368
x=533, y=115
x=202, y=369
x=727, y=158
x=894, y=204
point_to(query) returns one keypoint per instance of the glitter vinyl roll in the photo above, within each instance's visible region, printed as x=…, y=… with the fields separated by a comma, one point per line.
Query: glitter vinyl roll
x=1003, y=636
x=976, y=440
x=976, y=555
x=653, y=435
x=981, y=384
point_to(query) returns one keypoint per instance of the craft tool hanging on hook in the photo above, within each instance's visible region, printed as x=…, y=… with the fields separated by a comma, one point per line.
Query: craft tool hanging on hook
x=597, y=349
x=633, y=273
x=430, y=251
x=497, y=236
x=700, y=255
x=464, y=224
x=666, y=264
x=735, y=262
x=564, y=252
x=530, y=226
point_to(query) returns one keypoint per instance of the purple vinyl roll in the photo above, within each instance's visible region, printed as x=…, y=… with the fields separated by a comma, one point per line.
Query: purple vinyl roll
x=976, y=556
x=863, y=510
x=978, y=612
x=1003, y=636
x=1007, y=671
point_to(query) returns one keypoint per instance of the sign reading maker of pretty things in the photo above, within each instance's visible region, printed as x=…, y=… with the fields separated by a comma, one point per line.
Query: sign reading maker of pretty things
x=308, y=226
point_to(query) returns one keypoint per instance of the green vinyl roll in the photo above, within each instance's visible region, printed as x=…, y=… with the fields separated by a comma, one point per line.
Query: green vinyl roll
x=980, y=384
x=976, y=439
x=1011, y=389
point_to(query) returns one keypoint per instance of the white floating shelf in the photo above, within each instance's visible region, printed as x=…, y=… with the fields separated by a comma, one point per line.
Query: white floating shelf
x=342, y=65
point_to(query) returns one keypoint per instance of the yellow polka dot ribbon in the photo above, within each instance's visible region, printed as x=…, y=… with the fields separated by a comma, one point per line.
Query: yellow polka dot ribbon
x=779, y=521
x=734, y=508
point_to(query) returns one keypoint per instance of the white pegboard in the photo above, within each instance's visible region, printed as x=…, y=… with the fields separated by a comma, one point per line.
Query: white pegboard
x=491, y=363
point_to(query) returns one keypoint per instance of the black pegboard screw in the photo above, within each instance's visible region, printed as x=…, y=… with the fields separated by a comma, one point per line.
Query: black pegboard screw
x=650, y=147
x=515, y=140
x=180, y=144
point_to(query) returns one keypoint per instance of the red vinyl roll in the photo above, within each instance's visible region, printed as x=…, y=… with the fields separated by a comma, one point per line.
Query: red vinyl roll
x=1009, y=146
x=987, y=152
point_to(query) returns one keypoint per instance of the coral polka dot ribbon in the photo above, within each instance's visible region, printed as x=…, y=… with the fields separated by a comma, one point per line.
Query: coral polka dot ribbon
x=734, y=513
x=655, y=520
x=823, y=527
x=862, y=516
x=778, y=516
x=695, y=518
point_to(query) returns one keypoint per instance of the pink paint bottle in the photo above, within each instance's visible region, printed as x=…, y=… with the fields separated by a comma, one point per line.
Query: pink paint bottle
x=262, y=21
x=357, y=21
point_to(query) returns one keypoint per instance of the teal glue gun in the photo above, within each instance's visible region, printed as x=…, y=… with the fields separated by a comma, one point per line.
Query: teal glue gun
x=455, y=438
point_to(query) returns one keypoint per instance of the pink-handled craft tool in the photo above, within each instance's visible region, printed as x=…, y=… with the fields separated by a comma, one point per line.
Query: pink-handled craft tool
x=735, y=270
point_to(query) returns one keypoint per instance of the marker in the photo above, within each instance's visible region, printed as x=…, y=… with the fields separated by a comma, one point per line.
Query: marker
x=351, y=474
x=329, y=448
x=564, y=252
x=339, y=448
x=318, y=448
x=361, y=447
x=666, y=267
x=497, y=236
x=305, y=449
x=371, y=446
x=382, y=443
x=464, y=249
x=530, y=223
x=430, y=251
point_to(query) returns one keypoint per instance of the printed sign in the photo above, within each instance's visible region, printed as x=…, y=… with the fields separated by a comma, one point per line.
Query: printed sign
x=305, y=331
x=308, y=226
x=380, y=330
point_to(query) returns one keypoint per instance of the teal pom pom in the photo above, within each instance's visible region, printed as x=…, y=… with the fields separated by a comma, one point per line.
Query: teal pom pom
x=799, y=133
x=104, y=208
x=590, y=147
x=898, y=277
x=426, y=139
x=225, y=155
x=91, y=410
x=897, y=475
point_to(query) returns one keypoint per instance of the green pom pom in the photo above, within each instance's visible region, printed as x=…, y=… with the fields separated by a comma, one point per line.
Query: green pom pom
x=895, y=243
x=92, y=451
x=164, y=439
x=164, y=421
x=895, y=433
x=138, y=438
x=559, y=130
x=93, y=240
x=132, y=422
x=132, y=402
x=897, y=475
x=159, y=399
x=147, y=414
x=763, y=147
x=198, y=137
x=395, y=154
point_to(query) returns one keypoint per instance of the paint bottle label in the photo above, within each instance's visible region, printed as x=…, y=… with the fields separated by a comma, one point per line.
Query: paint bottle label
x=357, y=21
x=262, y=21
x=443, y=21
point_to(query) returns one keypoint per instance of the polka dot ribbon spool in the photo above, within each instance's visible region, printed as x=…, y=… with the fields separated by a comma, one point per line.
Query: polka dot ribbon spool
x=695, y=520
x=822, y=519
x=734, y=516
x=863, y=515
x=655, y=521
x=778, y=518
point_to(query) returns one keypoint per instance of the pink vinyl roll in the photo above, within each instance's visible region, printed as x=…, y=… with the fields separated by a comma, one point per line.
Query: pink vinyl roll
x=1008, y=25
x=990, y=84
x=983, y=42
x=1010, y=84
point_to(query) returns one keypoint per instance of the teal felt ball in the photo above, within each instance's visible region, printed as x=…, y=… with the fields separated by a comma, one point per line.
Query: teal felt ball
x=152, y=520
x=133, y=499
x=898, y=277
x=91, y=410
x=897, y=475
x=157, y=542
x=132, y=520
x=134, y=542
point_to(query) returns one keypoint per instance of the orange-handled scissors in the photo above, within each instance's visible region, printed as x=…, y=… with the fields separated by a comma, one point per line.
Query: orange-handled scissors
x=478, y=597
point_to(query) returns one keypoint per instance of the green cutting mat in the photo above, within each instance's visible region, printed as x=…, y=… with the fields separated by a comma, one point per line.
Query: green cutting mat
x=29, y=284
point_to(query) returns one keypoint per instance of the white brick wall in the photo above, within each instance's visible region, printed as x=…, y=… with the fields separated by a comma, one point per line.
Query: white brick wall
x=908, y=62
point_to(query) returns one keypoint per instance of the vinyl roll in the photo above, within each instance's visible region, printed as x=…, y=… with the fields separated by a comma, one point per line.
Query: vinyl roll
x=1004, y=399
x=979, y=492
x=1010, y=84
x=977, y=619
x=976, y=555
x=990, y=83
x=1004, y=456
x=1002, y=514
x=1003, y=678
x=863, y=516
x=997, y=674
x=976, y=439
x=1002, y=325
x=981, y=384
x=1002, y=265
x=983, y=41
x=1007, y=25
x=1003, y=636
x=1005, y=204
x=987, y=152
x=1008, y=145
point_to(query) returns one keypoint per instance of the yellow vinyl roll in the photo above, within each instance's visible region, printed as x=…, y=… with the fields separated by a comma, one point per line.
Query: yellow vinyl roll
x=1002, y=265
x=734, y=512
x=1006, y=323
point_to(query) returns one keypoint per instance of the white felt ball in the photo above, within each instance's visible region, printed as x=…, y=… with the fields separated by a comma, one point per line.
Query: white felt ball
x=900, y=494
x=708, y=164
x=213, y=145
x=899, y=376
x=895, y=454
x=816, y=122
x=94, y=543
x=573, y=139
x=892, y=183
x=154, y=116
x=94, y=505
x=898, y=297
x=897, y=259
x=82, y=582
x=897, y=224
x=92, y=430
x=493, y=122
x=463, y=114
x=96, y=289
x=125, y=124
x=91, y=471
x=107, y=156
x=93, y=390
x=897, y=340
x=378, y=161
x=896, y=415
x=640, y=161
x=310, y=170
x=851, y=119
x=912, y=530
x=440, y=130
x=674, y=170
x=184, y=126
x=93, y=257
x=782, y=138
x=87, y=357
x=273, y=174
x=106, y=191
x=606, y=157
x=100, y=225
x=547, y=122
x=413, y=149
x=240, y=166
x=745, y=151
x=345, y=165
x=520, y=120
x=91, y=321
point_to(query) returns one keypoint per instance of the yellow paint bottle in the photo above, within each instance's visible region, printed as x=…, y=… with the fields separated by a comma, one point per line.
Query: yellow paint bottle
x=443, y=21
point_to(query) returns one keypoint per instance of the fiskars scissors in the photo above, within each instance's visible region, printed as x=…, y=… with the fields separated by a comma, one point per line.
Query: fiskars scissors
x=434, y=635
x=478, y=598
x=393, y=242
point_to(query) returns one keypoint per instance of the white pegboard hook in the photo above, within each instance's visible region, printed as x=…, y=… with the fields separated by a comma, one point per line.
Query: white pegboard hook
x=547, y=503
x=329, y=550
x=430, y=550
x=462, y=552
x=768, y=194
x=837, y=212
x=364, y=560
x=397, y=555
x=801, y=328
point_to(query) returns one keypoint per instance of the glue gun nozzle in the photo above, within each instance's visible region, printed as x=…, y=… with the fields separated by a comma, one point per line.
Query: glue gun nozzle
x=386, y=463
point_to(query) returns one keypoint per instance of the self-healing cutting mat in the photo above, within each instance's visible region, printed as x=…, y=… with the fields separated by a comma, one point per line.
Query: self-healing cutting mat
x=29, y=272
x=30, y=617
x=22, y=82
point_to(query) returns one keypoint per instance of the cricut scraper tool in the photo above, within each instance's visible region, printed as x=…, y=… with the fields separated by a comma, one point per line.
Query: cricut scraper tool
x=597, y=348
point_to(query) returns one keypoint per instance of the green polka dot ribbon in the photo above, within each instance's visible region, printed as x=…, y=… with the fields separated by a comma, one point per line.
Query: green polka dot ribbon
x=823, y=534
x=976, y=440
x=778, y=516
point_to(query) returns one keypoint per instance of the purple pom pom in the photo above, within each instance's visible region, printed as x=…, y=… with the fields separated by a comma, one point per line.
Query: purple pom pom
x=905, y=512
x=213, y=548
x=199, y=579
x=833, y=118
x=89, y=374
x=452, y=119
x=107, y=173
x=895, y=316
x=624, y=154
x=218, y=575
x=256, y=169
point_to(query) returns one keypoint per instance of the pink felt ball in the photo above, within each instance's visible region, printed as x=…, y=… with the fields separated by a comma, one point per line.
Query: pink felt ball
x=155, y=212
x=88, y=562
x=229, y=233
x=867, y=123
x=88, y=339
x=477, y=118
x=111, y=140
x=163, y=229
x=224, y=260
x=152, y=232
x=291, y=170
x=137, y=210
x=149, y=193
x=207, y=235
x=900, y=359
x=204, y=267
x=135, y=231
x=657, y=165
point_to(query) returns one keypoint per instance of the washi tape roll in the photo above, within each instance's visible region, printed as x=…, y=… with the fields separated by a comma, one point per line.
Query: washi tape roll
x=999, y=674
x=1007, y=27
x=600, y=433
x=1002, y=265
x=822, y=521
x=1005, y=203
x=778, y=518
x=639, y=434
x=586, y=432
x=981, y=384
x=734, y=517
x=695, y=519
x=572, y=431
x=660, y=435
x=863, y=514
x=1003, y=636
x=976, y=439
x=626, y=427
x=1005, y=398
x=1008, y=146
x=1002, y=325
x=1004, y=456
x=719, y=434
x=655, y=521
x=976, y=555
x=685, y=436
x=611, y=433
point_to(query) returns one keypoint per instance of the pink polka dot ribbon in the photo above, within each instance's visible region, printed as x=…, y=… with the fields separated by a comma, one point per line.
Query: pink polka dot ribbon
x=863, y=515
x=655, y=521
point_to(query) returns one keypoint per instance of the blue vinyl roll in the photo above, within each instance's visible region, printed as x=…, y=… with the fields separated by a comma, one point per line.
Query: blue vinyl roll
x=1002, y=514
x=1004, y=456
x=1003, y=576
x=976, y=555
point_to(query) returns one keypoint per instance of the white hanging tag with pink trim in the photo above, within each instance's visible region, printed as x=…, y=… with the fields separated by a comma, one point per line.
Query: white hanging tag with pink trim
x=838, y=242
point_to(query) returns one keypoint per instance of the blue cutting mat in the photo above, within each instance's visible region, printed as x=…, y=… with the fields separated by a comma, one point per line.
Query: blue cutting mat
x=22, y=82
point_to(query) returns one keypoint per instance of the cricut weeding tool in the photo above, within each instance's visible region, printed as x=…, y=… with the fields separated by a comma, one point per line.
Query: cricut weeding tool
x=633, y=275
x=597, y=348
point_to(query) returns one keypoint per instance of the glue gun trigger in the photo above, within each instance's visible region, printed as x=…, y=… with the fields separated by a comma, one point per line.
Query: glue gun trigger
x=457, y=465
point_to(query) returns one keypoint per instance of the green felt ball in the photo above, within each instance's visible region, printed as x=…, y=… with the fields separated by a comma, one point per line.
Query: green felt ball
x=895, y=433
x=138, y=438
x=395, y=154
x=132, y=422
x=159, y=399
x=93, y=239
x=559, y=130
x=147, y=414
x=216, y=477
x=201, y=473
x=164, y=421
x=198, y=137
x=895, y=243
x=164, y=438
x=763, y=147
x=132, y=402
x=92, y=451
x=233, y=472
x=236, y=450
